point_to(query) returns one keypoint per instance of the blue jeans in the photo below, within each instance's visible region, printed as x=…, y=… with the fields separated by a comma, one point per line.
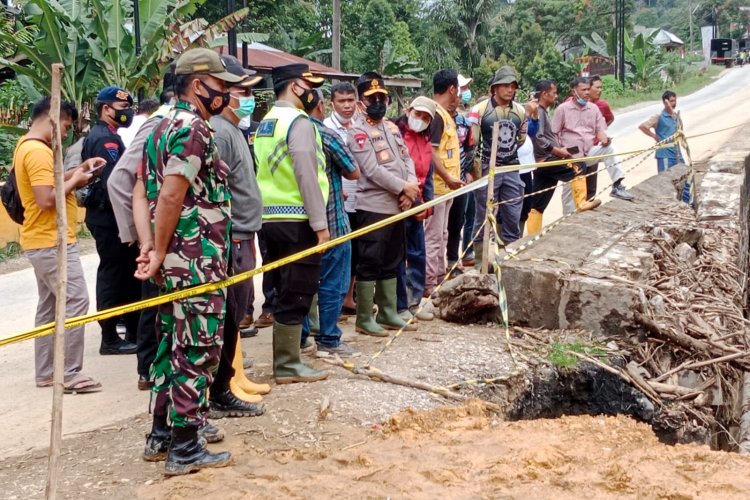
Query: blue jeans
x=664, y=164
x=411, y=271
x=468, y=235
x=335, y=274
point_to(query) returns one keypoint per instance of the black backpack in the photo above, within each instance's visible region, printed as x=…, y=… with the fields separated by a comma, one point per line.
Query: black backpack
x=11, y=198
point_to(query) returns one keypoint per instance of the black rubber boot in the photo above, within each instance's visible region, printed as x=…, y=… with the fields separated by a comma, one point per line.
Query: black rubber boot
x=157, y=442
x=226, y=404
x=210, y=433
x=187, y=454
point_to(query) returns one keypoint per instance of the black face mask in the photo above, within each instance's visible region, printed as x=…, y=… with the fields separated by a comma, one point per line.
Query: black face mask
x=124, y=117
x=309, y=99
x=216, y=100
x=376, y=110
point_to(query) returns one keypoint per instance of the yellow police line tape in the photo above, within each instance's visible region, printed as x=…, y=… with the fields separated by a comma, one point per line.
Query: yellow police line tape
x=48, y=328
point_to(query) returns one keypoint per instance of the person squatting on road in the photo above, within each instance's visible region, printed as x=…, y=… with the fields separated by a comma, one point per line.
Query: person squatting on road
x=188, y=197
x=387, y=186
x=578, y=123
x=294, y=187
x=547, y=148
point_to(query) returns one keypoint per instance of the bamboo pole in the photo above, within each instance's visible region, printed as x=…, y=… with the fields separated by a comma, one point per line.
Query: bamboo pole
x=61, y=292
x=490, y=200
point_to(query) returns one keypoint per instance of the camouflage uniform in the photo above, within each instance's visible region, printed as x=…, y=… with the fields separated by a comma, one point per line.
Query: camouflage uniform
x=191, y=329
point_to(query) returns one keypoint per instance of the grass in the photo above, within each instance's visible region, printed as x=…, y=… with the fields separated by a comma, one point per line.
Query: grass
x=560, y=354
x=83, y=232
x=11, y=251
x=688, y=86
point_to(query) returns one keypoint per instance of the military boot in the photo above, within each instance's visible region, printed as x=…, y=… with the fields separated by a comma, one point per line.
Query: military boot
x=187, y=454
x=157, y=441
x=365, y=323
x=385, y=298
x=287, y=366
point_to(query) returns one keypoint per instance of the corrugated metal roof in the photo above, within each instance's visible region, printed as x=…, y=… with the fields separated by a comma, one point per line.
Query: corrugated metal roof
x=265, y=59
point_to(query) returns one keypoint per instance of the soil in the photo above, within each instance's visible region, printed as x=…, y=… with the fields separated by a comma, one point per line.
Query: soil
x=453, y=452
x=20, y=262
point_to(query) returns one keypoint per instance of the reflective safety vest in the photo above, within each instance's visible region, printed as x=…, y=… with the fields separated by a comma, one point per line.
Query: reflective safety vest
x=276, y=180
x=449, y=150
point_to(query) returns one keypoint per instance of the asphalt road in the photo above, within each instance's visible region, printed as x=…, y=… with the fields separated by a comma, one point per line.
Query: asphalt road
x=25, y=410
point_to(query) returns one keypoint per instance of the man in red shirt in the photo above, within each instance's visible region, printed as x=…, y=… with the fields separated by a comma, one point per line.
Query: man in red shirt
x=613, y=168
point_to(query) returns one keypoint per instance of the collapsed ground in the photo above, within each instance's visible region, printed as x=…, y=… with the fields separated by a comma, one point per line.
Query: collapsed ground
x=352, y=435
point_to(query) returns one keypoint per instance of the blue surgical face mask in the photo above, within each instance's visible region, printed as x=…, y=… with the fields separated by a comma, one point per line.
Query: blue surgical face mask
x=580, y=100
x=247, y=106
x=466, y=96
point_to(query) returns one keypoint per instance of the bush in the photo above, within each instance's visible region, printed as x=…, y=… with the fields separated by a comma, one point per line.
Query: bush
x=611, y=86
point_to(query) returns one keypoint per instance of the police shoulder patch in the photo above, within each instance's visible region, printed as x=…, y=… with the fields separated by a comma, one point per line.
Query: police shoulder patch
x=266, y=128
x=360, y=138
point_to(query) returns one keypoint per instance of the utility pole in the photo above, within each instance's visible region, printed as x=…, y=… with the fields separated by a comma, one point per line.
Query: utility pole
x=336, y=35
x=137, y=31
x=232, y=35
x=620, y=22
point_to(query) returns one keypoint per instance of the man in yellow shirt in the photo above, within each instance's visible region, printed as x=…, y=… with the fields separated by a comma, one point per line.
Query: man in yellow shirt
x=34, y=167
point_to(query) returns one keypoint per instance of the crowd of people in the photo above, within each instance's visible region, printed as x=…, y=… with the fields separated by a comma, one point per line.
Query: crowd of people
x=157, y=187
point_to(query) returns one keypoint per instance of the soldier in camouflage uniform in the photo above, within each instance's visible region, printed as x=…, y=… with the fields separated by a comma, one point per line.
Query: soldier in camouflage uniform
x=188, y=198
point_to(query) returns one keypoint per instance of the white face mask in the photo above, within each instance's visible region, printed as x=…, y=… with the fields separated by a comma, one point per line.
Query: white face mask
x=341, y=119
x=246, y=122
x=416, y=124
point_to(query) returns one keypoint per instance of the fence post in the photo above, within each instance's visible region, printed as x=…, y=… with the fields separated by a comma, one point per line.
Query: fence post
x=61, y=291
x=490, y=199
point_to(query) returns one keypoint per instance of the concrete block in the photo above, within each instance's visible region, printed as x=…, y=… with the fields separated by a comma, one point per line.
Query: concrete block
x=719, y=196
x=597, y=305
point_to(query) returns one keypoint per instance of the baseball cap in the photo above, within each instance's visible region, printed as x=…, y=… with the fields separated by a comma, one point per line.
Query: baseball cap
x=505, y=74
x=281, y=74
x=370, y=83
x=234, y=66
x=197, y=61
x=425, y=104
x=114, y=94
x=464, y=81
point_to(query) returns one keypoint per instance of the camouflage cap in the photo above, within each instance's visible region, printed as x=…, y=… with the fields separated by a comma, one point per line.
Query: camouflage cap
x=206, y=61
x=505, y=74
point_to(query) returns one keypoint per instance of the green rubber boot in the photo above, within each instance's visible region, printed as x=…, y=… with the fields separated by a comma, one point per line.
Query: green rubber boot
x=365, y=323
x=312, y=316
x=287, y=367
x=385, y=298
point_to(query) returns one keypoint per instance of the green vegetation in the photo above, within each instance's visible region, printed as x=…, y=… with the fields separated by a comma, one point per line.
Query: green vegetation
x=629, y=97
x=560, y=353
x=12, y=251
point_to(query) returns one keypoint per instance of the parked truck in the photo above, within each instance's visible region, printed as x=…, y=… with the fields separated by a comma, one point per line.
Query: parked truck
x=722, y=51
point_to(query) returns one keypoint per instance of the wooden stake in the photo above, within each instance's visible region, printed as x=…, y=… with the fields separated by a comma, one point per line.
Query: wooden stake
x=490, y=200
x=61, y=290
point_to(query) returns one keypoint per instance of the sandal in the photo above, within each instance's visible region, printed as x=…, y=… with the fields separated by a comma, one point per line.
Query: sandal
x=81, y=384
x=44, y=383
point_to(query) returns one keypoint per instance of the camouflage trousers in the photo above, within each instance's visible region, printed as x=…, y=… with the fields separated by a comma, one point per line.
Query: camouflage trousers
x=192, y=332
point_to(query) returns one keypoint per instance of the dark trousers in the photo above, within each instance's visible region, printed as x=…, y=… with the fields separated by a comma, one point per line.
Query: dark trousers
x=147, y=339
x=469, y=224
x=590, y=180
x=456, y=220
x=115, y=283
x=380, y=252
x=353, y=224
x=545, y=178
x=269, y=289
x=528, y=181
x=296, y=283
x=411, y=271
x=242, y=255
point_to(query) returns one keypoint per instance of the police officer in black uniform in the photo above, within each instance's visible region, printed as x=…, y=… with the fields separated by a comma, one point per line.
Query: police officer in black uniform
x=115, y=283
